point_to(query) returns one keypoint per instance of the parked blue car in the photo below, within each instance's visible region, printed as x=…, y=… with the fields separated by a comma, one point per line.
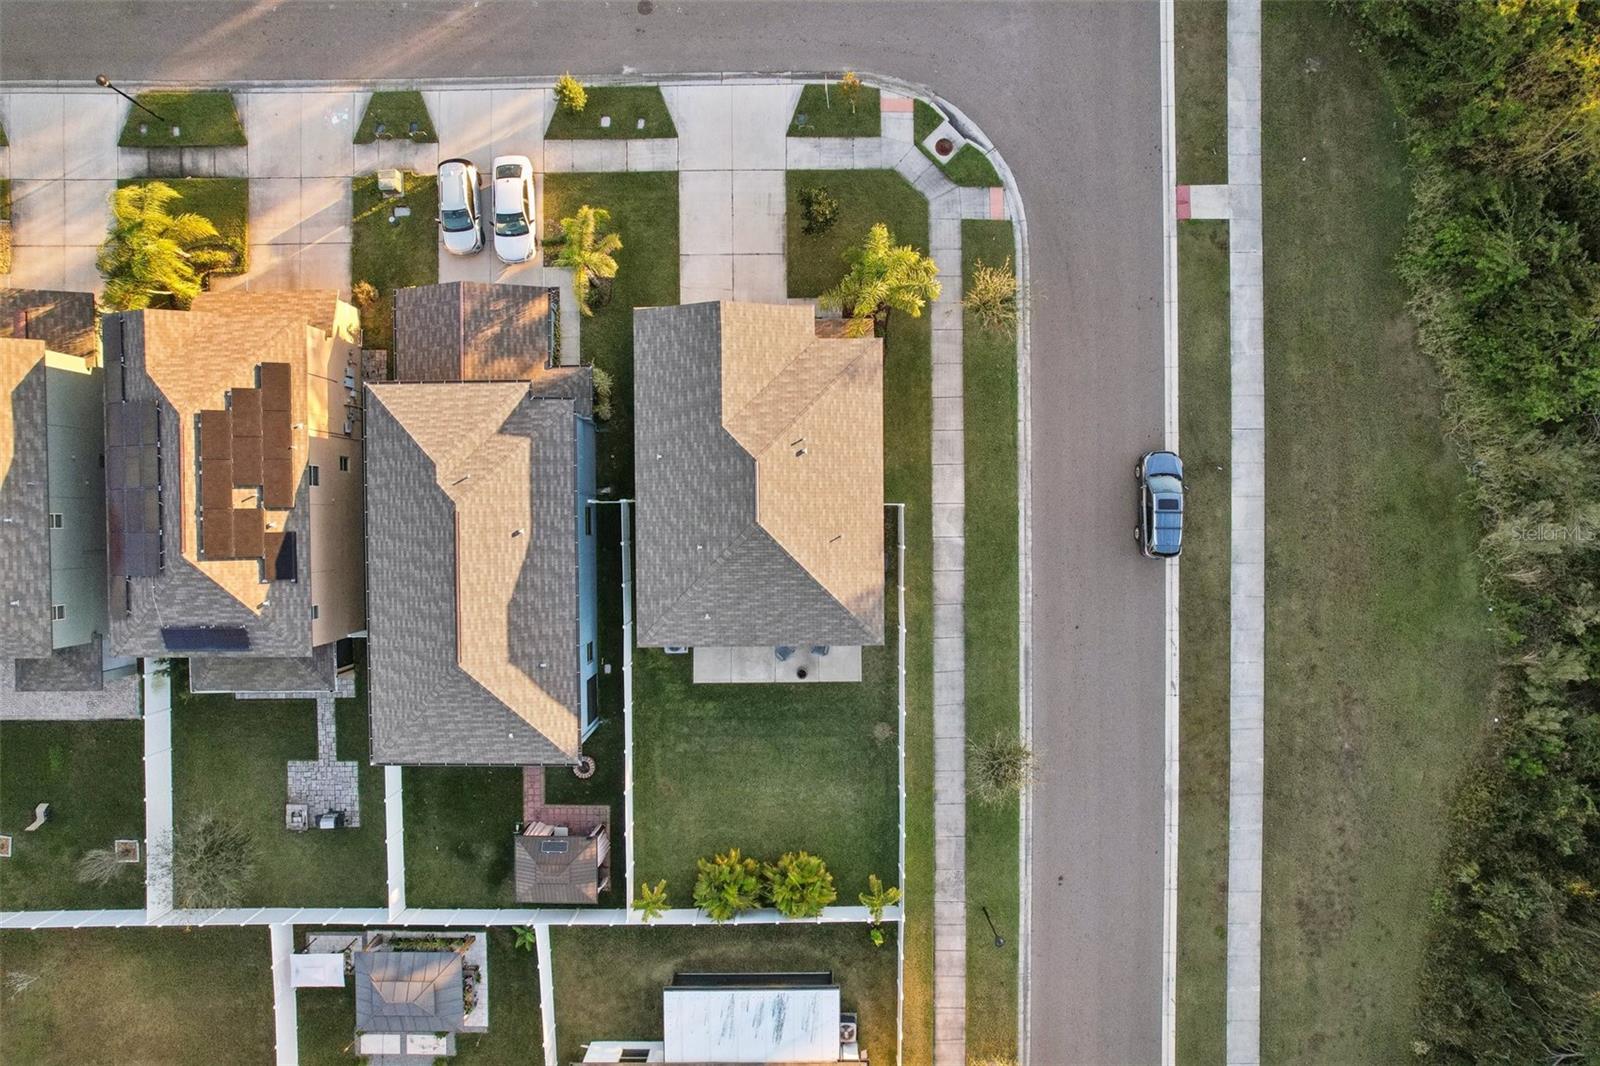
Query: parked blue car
x=1160, y=529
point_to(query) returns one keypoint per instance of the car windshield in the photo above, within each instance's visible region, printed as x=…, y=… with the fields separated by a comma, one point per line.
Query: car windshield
x=510, y=225
x=455, y=219
x=508, y=170
x=1165, y=483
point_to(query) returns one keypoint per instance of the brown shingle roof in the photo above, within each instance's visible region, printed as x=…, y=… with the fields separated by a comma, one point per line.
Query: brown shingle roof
x=63, y=320
x=472, y=331
x=759, y=459
x=557, y=870
x=25, y=627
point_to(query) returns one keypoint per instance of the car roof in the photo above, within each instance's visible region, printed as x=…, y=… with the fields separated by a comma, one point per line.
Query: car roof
x=454, y=184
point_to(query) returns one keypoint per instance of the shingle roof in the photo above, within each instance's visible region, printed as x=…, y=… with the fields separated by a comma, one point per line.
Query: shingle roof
x=557, y=870
x=80, y=668
x=408, y=991
x=759, y=476
x=63, y=320
x=472, y=570
x=317, y=672
x=472, y=331
x=25, y=627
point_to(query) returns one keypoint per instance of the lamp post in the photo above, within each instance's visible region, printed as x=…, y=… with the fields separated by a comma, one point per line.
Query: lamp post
x=105, y=83
x=999, y=941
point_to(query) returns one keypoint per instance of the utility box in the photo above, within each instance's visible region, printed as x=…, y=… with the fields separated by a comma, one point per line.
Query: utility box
x=391, y=183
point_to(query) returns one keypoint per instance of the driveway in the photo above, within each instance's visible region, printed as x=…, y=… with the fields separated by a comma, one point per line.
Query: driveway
x=1070, y=94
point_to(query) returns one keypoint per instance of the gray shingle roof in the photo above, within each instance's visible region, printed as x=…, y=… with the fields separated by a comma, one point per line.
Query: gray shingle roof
x=317, y=672
x=25, y=627
x=472, y=570
x=408, y=991
x=80, y=668
x=472, y=331
x=759, y=477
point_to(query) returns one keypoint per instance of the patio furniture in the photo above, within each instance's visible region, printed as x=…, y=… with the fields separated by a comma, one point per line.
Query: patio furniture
x=820, y=649
x=41, y=815
x=783, y=652
x=296, y=817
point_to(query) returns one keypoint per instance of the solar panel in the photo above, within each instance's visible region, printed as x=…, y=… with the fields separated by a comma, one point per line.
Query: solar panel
x=133, y=488
x=552, y=847
x=205, y=638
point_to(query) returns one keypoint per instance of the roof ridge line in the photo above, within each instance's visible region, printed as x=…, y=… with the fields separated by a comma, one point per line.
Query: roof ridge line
x=816, y=396
x=720, y=557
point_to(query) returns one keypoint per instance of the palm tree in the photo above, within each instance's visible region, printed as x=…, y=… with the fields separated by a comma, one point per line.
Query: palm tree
x=586, y=252
x=152, y=253
x=883, y=277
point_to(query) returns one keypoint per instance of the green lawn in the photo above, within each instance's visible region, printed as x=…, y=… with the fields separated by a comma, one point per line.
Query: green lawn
x=176, y=997
x=993, y=658
x=225, y=201
x=230, y=757
x=815, y=263
x=92, y=775
x=516, y=1030
x=827, y=115
x=396, y=110
x=1203, y=638
x=459, y=821
x=5, y=196
x=968, y=167
x=1200, y=40
x=625, y=104
x=391, y=255
x=608, y=982
x=205, y=118
x=1379, y=658
x=327, y=1026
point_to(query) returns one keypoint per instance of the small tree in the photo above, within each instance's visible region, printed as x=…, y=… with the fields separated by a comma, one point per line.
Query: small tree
x=213, y=862
x=100, y=867
x=603, y=386
x=818, y=210
x=152, y=255
x=883, y=276
x=727, y=884
x=570, y=93
x=652, y=901
x=850, y=89
x=875, y=899
x=999, y=768
x=588, y=253
x=527, y=940
x=992, y=296
x=799, y=885
x=364, y=295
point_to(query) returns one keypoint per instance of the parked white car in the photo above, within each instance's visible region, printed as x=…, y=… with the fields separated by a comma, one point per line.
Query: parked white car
x=515, y=238
x=459, y=225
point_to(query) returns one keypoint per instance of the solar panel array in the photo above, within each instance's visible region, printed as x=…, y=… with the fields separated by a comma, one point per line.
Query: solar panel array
x=133, y=488
x=249, y=444
x=205, y=638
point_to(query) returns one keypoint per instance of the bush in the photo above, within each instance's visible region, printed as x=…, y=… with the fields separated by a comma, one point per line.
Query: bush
x=602, y=395
x=799, y=885
x=727, y=884
x=364, y=295
x=652, y=901
x=570, y=94
x=213, y=863
x=100, y=867
x=992, y=297
x=998, y=768
x=850, y=89
x=818, y=210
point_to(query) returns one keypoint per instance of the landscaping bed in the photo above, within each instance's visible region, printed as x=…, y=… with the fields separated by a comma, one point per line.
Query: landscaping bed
x=608, y=982
x=626, y=104
x=459, y=825
x=206, y=118
x=92, y=775
x=391, y=255
x=968, y=167
x=224, y=201
x=827, y=114
x=396, y=111
x=993, y=658
x=112, y=997
x=230, y=758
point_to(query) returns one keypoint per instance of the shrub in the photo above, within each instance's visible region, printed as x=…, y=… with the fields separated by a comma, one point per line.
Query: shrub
x=818, y=210
x=727, y=884
x=799, y=885
x=364, y=295
x=876, y=898
x=588, y=254
x=152, y=255
x=570, y=93
x=100, y=867
x=602, y=395
x=850, y=89
x=527, y=939
x=213, y=863
x=998, y=768
x=652, y=901
x=992, y=297
x=883, y=277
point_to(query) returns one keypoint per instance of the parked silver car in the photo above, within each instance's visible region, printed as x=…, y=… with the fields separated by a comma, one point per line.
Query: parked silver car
x=459, y=225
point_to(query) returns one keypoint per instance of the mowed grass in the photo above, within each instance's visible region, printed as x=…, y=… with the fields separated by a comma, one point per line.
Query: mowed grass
x=969, y=166
x=989, y=374
x=1200, y=44
x=392, y=255
x=396, y=110
x=826, y=113
x=815, y=263
x=230, y=758
x=136, y=997
x=608, y=982
x=1379, y=659
x=92, y=775
x=225, y=201
x=326, y=1024
x=1203, y=618
x=516, y=1029
x=459, y=825
x=626, y=105
x=204, y=118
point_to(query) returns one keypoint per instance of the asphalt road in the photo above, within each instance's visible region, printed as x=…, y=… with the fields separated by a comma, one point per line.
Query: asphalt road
x=1070, y=94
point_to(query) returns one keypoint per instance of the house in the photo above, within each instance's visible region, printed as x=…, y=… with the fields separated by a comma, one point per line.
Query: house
x=759, y=483
x=744, y=1017
x=53, y=658
x=233, y=487
x=480, y=542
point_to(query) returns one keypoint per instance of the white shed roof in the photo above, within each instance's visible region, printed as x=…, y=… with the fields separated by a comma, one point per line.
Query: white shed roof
x=751, y=1024
x=316, y=970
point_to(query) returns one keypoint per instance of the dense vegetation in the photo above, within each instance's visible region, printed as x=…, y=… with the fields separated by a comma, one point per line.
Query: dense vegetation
x=1502, y=258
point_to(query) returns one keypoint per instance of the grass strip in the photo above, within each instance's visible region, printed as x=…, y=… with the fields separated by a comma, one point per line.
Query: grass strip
x=1200, y=44
x=204, y=118
x=225, y=201
x=969, y=167
x=823, y=112
x=626, y=105
x=397, y=111
x=391, y=253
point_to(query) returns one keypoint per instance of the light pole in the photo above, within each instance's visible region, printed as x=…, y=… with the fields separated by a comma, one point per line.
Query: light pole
x=105, y=83
x=999, y=941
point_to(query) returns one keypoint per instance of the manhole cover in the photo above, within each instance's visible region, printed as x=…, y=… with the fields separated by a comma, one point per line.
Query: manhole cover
x=943, y=146
x=646, y=6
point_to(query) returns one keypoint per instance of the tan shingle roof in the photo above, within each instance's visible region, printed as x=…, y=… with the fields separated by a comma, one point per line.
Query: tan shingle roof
x=472, y=331
x=25, y=628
